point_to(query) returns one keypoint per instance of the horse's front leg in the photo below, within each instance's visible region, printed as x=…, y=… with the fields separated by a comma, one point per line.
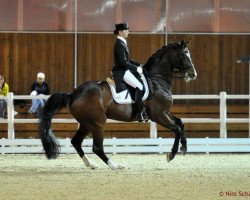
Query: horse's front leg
x=175, y=147
x=165, y=121
x=183, y=139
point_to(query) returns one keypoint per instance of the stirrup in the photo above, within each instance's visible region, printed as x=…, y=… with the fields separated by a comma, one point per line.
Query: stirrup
x=145, y=115
x=142, y=117
x=139, y=117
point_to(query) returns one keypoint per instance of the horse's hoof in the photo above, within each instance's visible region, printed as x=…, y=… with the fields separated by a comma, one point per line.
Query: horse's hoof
x=115, y=166
x=120, y=167
x=170, y=157
x=183, y=150
x=93, y=166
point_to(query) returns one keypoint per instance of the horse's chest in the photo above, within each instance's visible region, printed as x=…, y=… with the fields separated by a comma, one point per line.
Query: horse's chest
x=164, y=100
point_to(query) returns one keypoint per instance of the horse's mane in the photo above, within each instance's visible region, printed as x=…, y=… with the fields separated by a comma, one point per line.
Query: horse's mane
x=156, y=57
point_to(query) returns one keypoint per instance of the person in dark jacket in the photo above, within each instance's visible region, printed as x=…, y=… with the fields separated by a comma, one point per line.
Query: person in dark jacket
x=127, y=70
x=39, y=87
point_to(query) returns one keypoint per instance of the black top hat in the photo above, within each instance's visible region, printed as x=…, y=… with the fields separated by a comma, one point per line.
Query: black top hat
x=121, y=27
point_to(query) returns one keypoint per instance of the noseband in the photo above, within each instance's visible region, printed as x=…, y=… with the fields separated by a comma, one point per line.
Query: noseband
x=180, y=73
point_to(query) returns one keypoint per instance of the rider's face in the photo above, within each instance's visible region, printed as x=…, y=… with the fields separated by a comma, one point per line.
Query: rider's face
x=124, y=33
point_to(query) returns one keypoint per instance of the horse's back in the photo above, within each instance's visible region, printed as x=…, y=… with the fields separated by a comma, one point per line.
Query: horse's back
x=89, y=101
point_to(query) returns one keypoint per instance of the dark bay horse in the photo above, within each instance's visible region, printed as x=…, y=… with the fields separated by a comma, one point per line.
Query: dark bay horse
x=92, y=104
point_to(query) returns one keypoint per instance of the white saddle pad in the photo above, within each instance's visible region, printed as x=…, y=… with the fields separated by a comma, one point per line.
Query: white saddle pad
x=124, y=97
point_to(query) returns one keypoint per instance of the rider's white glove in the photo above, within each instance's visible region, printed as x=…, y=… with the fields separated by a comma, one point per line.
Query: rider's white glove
x=139, y=70
x=33, y=93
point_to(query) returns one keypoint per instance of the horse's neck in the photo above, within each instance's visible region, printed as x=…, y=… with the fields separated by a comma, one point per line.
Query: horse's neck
x=163, y=71
x=163, y=82
x=162, y=75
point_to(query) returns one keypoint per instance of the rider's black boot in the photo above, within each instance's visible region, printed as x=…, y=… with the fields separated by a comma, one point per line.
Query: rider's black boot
x=141, y=114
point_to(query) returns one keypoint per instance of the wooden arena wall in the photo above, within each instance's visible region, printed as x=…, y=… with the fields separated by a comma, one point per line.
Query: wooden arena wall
x=22, y=55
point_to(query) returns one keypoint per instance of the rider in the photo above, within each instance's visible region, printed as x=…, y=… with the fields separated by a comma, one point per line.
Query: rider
x=126, y=69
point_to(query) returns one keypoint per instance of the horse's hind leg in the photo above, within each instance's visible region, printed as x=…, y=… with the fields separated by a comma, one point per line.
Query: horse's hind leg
x=98, y=136
x=77, y=143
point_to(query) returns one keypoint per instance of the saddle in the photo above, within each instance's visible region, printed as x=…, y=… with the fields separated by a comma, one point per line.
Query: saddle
x=125, y=97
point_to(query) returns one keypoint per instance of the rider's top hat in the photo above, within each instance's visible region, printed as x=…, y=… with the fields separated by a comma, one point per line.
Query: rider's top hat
x=121, y=27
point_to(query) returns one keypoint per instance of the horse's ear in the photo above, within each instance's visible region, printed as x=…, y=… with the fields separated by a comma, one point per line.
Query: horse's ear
x=183, y=43
x=188, y=41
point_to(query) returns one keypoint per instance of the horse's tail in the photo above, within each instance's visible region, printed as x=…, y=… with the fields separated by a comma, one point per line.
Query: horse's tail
x=56, y=102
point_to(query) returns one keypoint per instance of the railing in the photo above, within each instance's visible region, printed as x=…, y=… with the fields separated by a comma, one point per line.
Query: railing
x=135, y=145
x=223, y=120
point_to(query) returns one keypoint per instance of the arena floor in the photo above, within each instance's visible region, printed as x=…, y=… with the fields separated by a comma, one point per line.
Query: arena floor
x=214, y=176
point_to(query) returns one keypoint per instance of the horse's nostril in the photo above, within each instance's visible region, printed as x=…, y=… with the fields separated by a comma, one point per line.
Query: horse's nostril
x=192, y=73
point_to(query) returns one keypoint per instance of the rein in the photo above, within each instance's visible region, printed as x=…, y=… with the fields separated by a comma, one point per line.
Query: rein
x=176, y=74
x=158, y=75
x=179, y=74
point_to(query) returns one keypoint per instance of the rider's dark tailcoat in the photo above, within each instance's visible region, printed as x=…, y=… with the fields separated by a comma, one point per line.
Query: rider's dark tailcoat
x=123, y=62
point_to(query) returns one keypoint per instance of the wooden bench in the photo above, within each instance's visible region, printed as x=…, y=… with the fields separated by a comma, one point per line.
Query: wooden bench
x=131, y=130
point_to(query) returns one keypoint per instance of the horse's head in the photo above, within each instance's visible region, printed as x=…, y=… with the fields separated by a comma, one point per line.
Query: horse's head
x=173, y=57
x=181, y=60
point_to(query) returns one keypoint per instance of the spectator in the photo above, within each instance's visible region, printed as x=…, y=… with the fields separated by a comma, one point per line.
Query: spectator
x=4, y=90
x=39, y=87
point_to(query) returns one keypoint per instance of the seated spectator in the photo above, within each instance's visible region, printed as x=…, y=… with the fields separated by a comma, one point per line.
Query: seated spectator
x=4, y=90
x=39, y=87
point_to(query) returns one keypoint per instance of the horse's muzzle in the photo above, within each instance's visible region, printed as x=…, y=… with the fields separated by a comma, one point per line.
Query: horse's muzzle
x=191, y=73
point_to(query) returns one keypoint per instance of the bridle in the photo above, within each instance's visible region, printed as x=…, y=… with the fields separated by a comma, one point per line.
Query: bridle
x=180, y=74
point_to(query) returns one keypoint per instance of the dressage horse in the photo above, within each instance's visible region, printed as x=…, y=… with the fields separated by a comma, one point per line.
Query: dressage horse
x=92, y=104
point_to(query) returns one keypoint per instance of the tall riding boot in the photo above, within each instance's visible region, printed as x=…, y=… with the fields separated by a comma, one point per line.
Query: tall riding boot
x=141, y=114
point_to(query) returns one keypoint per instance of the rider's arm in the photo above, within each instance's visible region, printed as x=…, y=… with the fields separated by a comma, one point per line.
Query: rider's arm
x=120, y=52
x=134, y=63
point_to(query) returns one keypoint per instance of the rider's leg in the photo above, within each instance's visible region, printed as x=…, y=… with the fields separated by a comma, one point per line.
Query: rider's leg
x=130, y=79
x=139, y=104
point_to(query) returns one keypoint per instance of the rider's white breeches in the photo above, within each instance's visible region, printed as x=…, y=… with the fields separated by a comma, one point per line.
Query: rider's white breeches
x=130, y=79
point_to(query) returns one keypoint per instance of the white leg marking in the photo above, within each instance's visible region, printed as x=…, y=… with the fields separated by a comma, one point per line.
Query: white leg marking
x=88, y=163
x=115, y=166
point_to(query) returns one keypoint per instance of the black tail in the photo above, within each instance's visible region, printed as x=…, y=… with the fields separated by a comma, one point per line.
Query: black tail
x=50, y=144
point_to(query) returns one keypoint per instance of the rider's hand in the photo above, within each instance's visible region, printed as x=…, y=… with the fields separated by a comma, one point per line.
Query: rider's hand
x=139, y=70
x=33, y=93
